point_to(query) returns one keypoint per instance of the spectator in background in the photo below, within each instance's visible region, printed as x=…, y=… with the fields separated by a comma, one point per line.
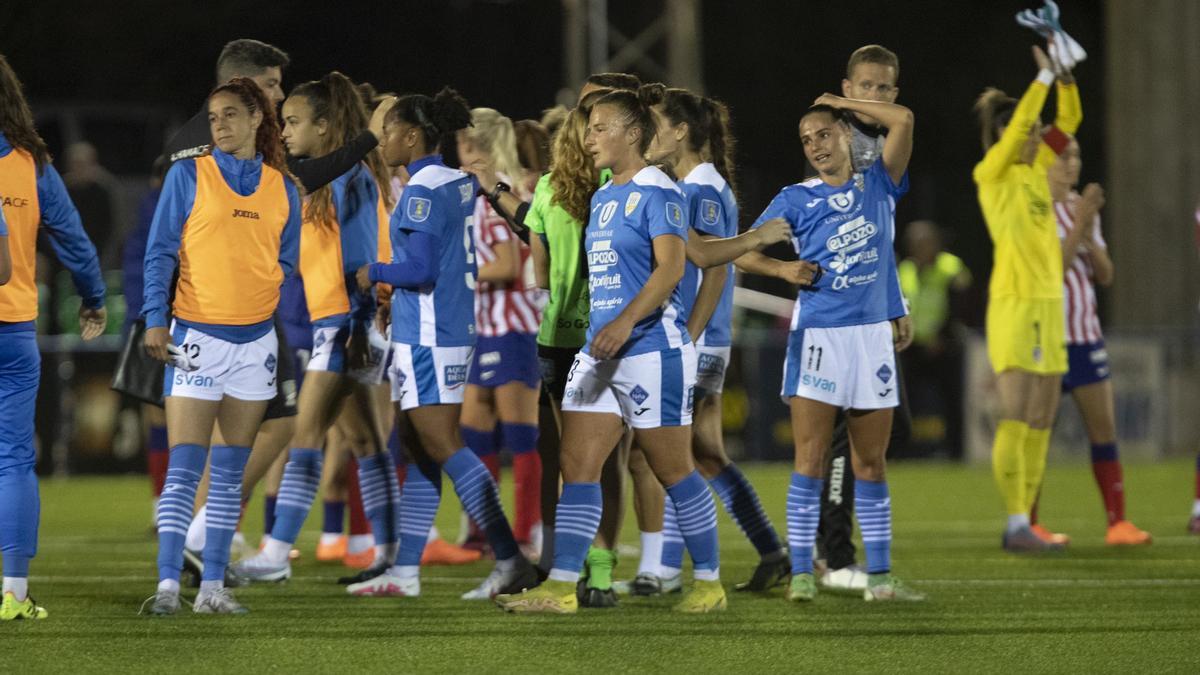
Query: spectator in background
x=97, y=195
x=931, y=278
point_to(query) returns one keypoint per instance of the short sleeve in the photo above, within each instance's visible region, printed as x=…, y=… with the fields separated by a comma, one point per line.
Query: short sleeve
x=418, y=211
x=666, y=213
x=535, y=218
x=708, y=212
x=779, y=207
x=879, y=173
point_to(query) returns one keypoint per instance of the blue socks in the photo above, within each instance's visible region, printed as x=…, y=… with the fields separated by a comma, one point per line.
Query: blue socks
x=873, y=508
x=575, y=525
x=741, y=501
x=697, y=518
x=519, y=438
x=672, y=552
x=803, y=515
x=224, y=507
x=380, y=490
x=482, y=443
x=19, y=511
x=301, y=480
x=477, y=492
x=335, y=518
x=175, y=507
x=419, y=502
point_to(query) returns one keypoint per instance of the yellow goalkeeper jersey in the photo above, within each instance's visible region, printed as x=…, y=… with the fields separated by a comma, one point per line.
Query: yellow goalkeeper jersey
x=1015, y=199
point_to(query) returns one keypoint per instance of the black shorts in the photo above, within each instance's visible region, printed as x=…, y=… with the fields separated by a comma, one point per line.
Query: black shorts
x=555, y=363
x=284, y=403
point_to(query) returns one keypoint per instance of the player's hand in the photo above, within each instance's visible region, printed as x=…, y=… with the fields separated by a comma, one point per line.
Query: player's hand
x=156, y=340
x=902, y=333
x=773, y=231
x=830, y=100
x=611, y=338
x=363, y=277
x=800, y=272
x=1093, y=195
x=375, y=126
x=383, y=316
x=483, y=173
x=92, y=322
x=1043, y=62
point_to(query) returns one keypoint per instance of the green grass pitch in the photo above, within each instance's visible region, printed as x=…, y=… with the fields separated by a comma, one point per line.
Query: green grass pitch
x=1092, y=609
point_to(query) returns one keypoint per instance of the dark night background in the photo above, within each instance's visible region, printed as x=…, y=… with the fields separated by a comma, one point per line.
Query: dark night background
x=767, y=60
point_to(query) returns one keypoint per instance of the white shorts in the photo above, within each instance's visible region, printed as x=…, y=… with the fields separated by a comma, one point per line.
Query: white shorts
x=848, y=367
x=244, y=371
x=711, y=363
x=647, y=391
x=428, y=375
x=329, y=353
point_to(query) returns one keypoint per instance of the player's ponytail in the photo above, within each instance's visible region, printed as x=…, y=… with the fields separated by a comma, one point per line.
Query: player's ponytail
x=438, y=118
x=994, y=109
x=721, y=143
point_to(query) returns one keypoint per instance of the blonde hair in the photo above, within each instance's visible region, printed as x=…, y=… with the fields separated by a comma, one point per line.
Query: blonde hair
x=573, y=173
x=492, y=133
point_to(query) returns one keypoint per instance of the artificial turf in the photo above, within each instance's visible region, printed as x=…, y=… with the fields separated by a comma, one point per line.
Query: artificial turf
x=1092, y=609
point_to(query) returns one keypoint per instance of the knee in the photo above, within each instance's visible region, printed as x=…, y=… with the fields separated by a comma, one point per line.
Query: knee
x=871, y=467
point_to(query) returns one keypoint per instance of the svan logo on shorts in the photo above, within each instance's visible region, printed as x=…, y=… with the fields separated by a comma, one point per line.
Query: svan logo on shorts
x=455, y=376
x=189, y=380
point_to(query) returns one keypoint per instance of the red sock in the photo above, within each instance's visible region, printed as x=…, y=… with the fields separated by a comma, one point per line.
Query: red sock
x=358, y=518
x=527, y=481
x=492, y=462
x=1106, y=467
x=158, y=456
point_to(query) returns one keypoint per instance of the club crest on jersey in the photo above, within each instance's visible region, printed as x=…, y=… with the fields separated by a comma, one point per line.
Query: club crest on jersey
x=674, y=215
x=606, y=213
x=841, y=202
x=418, y=209
x=709, y=211
x=632, y=202
x=638, y=394
x=884, y=373
x=269, y=364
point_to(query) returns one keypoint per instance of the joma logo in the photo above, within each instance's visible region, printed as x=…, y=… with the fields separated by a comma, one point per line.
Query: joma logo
x=239, y=213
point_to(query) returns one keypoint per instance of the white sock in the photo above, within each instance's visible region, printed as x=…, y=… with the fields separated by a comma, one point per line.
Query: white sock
x=508, y=564
x=386, y=553
x=330, y=538
x=1196, y=509
x=652, y=545
x=276, y=551
x=1018, y=521
x=433, y=533
x=197, y=530
x=214, y=585
x=405, y=571
x=239, y=539
x=18, y=586
x=706, y=575
x=668, y=572
x=559, y=575
x=169, y=585
x=360, y=542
